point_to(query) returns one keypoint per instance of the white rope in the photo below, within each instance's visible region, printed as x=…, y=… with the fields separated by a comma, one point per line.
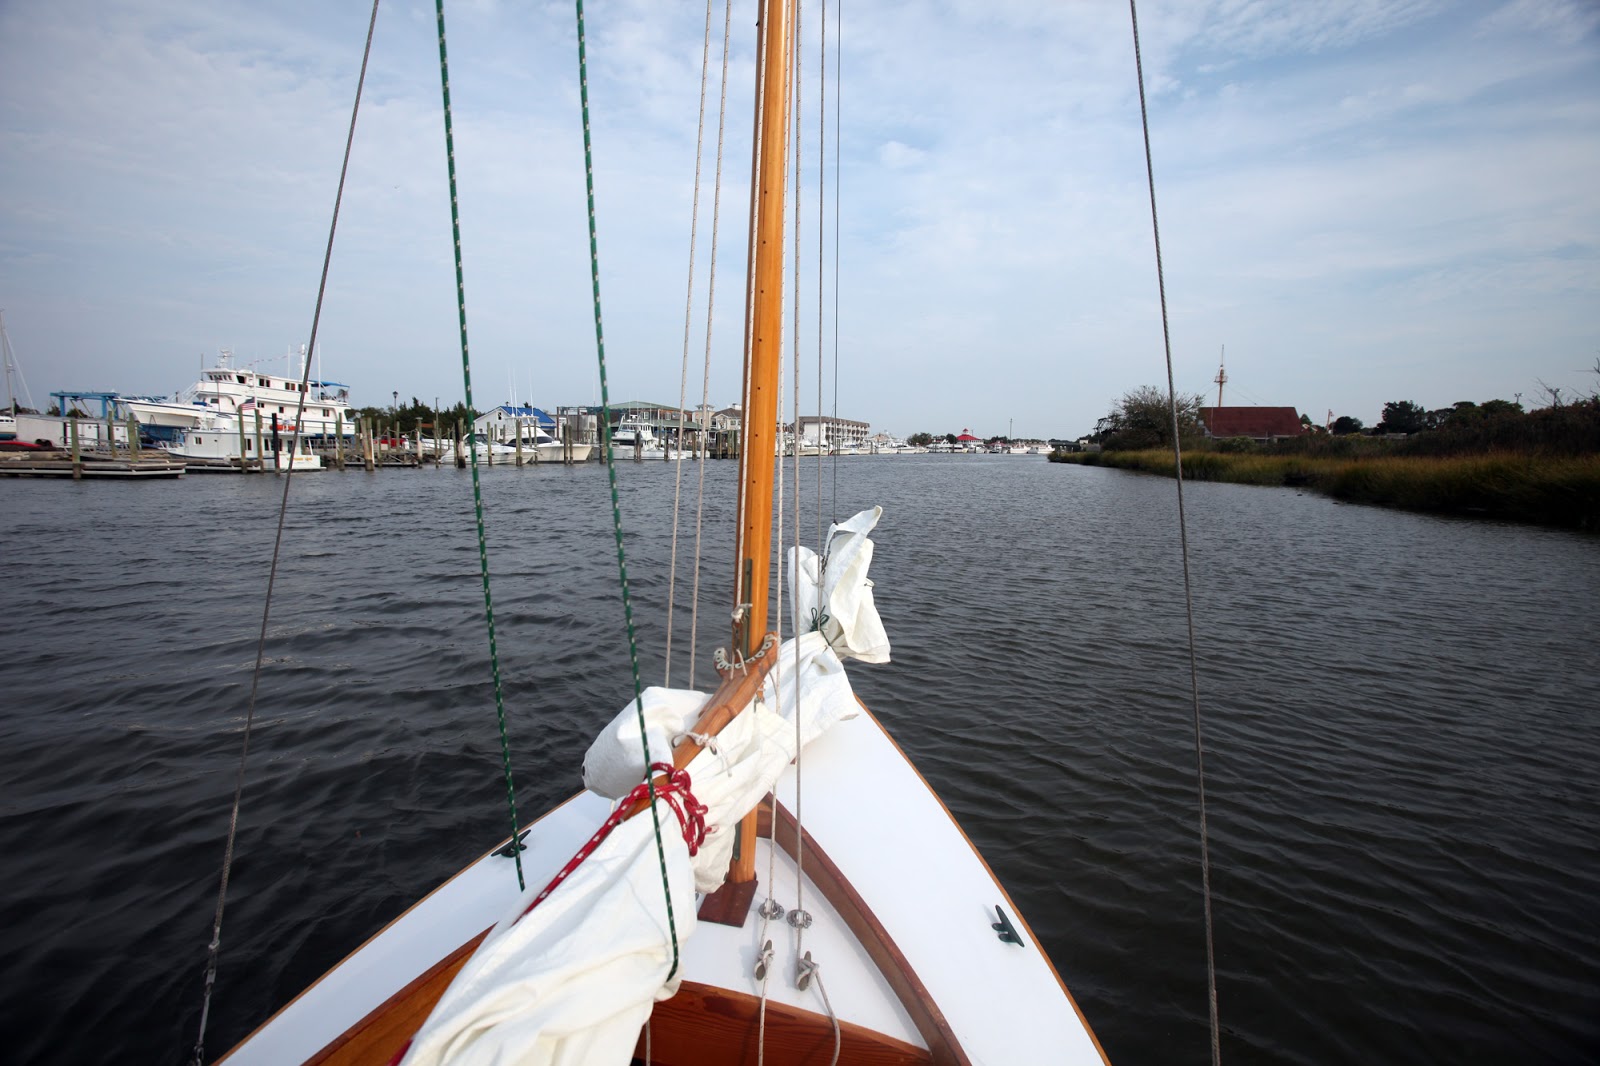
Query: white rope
x=798, y=74
x=822, y=215
x=705, y=740
x=688, y=314
x=711, y=303
x=813, y=970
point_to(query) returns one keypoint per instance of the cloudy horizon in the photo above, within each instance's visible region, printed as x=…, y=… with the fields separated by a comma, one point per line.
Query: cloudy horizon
x=1362, y=201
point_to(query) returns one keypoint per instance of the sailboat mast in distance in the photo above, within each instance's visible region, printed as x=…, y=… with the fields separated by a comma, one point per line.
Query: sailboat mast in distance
x=1222, y=374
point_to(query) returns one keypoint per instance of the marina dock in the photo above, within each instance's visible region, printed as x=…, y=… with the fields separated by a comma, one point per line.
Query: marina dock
x=59, y=464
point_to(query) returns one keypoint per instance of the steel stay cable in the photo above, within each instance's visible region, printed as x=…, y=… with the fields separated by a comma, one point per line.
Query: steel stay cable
x=213, y=948
x=477, y=488
x=711, y=304
x=611, y=474
x=757, y=140
x=838, y=74
x=1183, y=535
x=822, y=219
x=688, y=315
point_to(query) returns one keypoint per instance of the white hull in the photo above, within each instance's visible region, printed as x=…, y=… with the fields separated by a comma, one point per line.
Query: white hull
x=231, y=391
x=924, y=882
x=215, y=445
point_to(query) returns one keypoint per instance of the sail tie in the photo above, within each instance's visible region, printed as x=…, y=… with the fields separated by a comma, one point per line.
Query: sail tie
x=705, y=740
x=674, y=790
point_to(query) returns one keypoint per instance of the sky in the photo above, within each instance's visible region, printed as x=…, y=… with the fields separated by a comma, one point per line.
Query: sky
x=1360, y=200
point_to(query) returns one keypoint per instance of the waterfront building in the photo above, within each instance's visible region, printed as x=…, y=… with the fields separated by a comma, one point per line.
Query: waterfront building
x=840, y=433
x=1263, y=424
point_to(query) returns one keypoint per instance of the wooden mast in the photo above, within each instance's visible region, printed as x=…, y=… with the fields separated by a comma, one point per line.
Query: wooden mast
x=764, y=330
x=759, y=419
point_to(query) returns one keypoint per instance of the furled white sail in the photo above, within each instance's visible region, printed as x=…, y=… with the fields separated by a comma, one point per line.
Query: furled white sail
x=573, y=980
x=839, y=603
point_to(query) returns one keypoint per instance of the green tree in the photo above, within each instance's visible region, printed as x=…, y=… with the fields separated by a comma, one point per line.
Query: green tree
x=920, y=440
x=1403, y=416
x=1142, y=418
x=1345, y=425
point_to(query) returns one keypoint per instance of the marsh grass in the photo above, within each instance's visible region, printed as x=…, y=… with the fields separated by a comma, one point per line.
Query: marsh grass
x=1550, y=490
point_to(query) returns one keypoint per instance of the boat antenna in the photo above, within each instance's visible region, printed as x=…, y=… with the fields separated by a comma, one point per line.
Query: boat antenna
x=1183, y=537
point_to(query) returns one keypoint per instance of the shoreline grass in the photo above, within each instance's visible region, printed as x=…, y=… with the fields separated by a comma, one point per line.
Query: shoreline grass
x=1560, y=491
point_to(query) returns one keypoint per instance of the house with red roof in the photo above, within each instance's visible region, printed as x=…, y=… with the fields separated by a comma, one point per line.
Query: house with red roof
x=1258, y=423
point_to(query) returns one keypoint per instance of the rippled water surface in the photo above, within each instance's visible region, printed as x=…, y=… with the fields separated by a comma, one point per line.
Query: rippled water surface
x=1400, y=715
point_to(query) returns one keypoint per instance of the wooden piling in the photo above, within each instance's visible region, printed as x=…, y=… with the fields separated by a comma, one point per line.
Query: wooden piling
x=338, y=440
x=518, y=424
x=261, y=459
x=77, y=457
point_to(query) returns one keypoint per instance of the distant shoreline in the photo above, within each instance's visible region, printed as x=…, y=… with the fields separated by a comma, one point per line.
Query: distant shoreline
x=1559, y=491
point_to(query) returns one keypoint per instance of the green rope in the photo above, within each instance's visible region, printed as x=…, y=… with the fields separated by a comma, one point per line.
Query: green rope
x=477, y=488
x=611, y=474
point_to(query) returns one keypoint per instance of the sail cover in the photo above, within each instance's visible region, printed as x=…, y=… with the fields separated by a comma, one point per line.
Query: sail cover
x=572, y=981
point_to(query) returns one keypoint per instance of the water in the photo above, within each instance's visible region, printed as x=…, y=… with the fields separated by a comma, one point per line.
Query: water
x=1399, y=712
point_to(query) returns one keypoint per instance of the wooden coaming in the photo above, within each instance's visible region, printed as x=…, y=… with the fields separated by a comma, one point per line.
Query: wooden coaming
x=382, y=1034
x=1016, y=912
x=873, y=937
x=704, y=1025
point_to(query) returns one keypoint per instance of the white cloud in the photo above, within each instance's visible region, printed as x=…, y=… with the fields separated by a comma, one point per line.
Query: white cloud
x=1362, y=199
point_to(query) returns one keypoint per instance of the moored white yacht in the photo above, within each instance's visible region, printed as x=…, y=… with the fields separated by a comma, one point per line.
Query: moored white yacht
x=634, y=434
x=217, y=438
x=539, y=442
x=225, y=389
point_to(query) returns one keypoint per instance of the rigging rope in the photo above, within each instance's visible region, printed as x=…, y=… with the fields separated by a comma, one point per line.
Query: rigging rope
x=611, y=475
x=688, y=315
x=477, y=488
x=1183, y=535
x=213, y=948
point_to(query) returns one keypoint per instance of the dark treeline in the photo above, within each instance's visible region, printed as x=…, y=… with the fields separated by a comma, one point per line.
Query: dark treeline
x=1561, y=429
x=1143, y=419
x=408, y=418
